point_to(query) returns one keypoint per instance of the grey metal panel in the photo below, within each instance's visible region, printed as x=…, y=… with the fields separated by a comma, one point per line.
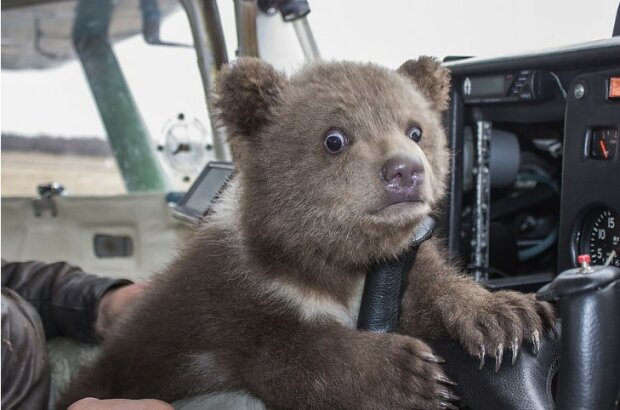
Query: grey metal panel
x=589, y=54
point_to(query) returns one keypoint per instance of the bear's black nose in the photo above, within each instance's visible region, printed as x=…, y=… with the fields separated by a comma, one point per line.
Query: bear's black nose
x=402, y=173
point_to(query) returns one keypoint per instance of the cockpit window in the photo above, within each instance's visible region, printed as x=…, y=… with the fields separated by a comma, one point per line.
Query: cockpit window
x=402, y=29
x=101, y=97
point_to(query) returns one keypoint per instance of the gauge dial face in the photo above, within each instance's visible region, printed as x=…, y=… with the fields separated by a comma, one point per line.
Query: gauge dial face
x=184, y=145
x=600, y=237
x=604, y=143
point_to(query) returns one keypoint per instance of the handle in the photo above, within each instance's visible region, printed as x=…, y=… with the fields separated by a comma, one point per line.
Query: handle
x=589, y=299
x=385, y=284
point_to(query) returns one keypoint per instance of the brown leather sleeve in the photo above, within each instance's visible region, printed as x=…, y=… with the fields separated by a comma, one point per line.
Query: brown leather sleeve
x=65, y=297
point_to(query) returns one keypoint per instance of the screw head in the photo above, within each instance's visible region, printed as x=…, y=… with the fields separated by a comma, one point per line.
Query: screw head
x=579, y=91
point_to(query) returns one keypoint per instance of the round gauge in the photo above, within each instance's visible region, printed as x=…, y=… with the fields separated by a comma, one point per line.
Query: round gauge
x=599, y=237
x=185, y=145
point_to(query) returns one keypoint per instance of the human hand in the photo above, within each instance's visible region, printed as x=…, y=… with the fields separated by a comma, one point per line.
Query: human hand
x=113, y=304
x=90, y=403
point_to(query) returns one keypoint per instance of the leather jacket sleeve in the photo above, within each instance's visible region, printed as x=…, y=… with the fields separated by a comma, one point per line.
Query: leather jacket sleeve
x=25, y=365
x=65, y=297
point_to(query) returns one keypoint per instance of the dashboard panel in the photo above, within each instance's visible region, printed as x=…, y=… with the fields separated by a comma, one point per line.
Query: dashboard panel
x=556, y=114
x=591, y=172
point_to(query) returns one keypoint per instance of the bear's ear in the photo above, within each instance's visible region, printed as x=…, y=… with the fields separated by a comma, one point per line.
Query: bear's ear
x=432, y=79
x=246, y=92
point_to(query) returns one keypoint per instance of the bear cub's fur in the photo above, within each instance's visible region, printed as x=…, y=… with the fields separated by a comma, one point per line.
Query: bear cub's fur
x=337, y=166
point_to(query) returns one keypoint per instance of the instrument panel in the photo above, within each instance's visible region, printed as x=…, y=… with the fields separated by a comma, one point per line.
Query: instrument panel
x=566, y=197
x=590, y=204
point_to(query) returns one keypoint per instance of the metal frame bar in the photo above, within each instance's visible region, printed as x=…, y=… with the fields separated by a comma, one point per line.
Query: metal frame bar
x=306, y=39
x=245, y=22
x=121, y=118
x=451, y=219
x=204, y=19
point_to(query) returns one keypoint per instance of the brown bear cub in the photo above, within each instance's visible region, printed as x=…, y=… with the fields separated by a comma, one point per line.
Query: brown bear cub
x=337, y=166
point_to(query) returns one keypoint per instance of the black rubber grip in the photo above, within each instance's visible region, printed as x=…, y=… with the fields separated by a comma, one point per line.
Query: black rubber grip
x=385, y=284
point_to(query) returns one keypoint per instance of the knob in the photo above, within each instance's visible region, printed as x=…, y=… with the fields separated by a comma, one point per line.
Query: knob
x=584, y=261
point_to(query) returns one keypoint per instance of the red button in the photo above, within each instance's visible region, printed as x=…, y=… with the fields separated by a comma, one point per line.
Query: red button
x=581, y=259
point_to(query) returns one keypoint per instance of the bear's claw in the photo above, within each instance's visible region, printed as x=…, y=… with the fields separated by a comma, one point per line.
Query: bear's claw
x=446, y=405
x=446, y=394
x=434, y=358
x=499, y=355
x=536, y=341
x=482, y=356
x=514, y=346
x=445, y=380
x=497, y=321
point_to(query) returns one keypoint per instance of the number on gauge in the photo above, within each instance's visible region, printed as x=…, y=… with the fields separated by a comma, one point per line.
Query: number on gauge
x=600, y=237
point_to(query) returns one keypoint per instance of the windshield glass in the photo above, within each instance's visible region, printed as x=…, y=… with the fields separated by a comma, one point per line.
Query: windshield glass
x=108, y=118
x=48, y=98
x=392, y=32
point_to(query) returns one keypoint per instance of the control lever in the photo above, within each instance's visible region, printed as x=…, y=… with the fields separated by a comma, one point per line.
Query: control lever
x=589, y=301
x=385, y=284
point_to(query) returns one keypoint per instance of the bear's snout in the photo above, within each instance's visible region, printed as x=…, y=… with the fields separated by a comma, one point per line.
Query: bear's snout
x=403, y=175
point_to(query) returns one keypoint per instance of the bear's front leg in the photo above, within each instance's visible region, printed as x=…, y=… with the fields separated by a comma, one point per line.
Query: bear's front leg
x=440, y=301
x=327, y=366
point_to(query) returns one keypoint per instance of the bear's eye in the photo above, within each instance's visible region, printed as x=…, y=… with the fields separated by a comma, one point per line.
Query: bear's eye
x=334, y=141
x=414, y=133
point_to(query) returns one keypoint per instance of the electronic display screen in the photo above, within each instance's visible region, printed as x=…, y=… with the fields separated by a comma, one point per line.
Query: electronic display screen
x=490, y=85
x=200, y=196
x=205, y=192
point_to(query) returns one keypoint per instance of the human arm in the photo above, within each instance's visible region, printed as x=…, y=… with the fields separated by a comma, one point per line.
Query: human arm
x=66, y=298
x=90, y=403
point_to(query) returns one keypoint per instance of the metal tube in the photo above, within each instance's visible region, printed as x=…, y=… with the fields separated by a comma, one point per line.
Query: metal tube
x=245, y=21
x=204, y=19
x=215, y=33
x=306, y=39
